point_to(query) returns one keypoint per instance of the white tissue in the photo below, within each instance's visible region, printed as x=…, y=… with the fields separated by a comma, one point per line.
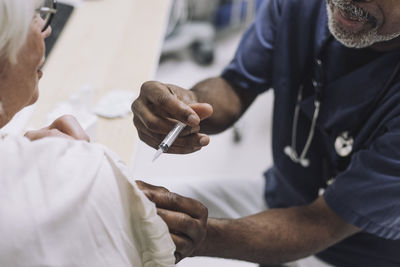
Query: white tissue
x=116, y=103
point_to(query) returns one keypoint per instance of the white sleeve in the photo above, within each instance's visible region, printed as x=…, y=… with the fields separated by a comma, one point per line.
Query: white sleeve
x=70, y=203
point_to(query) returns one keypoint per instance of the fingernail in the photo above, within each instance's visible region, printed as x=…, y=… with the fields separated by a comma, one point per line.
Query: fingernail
x=193, y=120
x=204, y=140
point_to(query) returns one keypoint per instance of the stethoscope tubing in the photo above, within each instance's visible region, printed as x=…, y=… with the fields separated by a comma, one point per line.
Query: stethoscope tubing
x=345, y=141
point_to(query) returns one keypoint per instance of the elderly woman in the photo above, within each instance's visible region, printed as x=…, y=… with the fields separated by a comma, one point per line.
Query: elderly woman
x=63, y=202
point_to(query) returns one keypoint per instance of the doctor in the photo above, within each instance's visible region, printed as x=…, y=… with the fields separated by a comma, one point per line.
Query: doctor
x=334, y=188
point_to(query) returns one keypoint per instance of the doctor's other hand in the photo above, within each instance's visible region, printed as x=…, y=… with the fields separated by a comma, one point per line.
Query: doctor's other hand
x=158, y=108
x=186, y=218
x=65, y=126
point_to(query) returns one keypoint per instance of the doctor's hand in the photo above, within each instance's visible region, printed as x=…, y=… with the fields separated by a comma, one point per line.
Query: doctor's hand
x=186, y=218
x=65, y=126
x=158, y=108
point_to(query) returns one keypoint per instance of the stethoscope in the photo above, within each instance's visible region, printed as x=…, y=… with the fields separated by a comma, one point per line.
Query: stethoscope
x=290, y=151
x=344, y=142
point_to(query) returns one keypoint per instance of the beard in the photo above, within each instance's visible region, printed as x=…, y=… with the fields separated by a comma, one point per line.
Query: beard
x=360, y=39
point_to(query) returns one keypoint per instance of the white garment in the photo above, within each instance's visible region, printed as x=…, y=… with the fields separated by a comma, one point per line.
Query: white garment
x=70, y=203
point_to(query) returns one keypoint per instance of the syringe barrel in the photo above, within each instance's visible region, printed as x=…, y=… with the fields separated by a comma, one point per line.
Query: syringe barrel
x=171, y=136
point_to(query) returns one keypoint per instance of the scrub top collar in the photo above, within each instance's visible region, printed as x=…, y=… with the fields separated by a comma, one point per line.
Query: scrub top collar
x=353, y=91
x=348, y=103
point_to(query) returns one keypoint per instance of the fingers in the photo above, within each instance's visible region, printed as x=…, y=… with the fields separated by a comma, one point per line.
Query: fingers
x=164, y=199
x=159, y=127
x=178, y=257
x=145, y=119
x=188, y=233
x=45, y=132
x=186, y=218
x=182, y=225
x=158, y=108
x=183, y=144
x=190, y=130
x=189, y=144
x=146, y=188
x=166, y=101
x=203, y=110
x=68, y=125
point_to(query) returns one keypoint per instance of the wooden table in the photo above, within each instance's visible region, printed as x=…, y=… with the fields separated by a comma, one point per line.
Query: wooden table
x=110, y=44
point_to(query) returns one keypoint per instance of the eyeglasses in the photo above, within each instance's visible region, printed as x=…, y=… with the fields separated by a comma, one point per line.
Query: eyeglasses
x=47, y=11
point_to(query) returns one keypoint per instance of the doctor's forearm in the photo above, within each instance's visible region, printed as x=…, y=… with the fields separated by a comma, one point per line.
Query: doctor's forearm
x=228, y=105
x=275, y=236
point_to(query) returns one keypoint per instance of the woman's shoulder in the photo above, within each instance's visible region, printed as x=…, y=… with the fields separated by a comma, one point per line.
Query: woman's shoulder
x=52, y=148
x=22, y=159
x=75, y=191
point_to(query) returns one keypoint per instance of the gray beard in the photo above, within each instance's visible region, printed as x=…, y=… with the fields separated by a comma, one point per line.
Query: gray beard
x=357, y=40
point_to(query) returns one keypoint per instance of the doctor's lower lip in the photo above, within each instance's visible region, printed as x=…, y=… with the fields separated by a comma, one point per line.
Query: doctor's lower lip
x=348, y=22
x=40, y=73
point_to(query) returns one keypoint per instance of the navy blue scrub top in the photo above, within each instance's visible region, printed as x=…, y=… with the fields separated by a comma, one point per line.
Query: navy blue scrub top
x=278, y=52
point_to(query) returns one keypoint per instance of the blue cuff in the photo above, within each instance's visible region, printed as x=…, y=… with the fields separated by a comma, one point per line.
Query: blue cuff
x=351, y=216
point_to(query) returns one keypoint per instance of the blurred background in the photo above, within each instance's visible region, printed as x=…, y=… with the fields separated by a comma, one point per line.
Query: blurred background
x=201, y=39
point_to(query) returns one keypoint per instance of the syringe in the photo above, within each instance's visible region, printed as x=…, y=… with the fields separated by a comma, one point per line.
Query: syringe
x=169, y=139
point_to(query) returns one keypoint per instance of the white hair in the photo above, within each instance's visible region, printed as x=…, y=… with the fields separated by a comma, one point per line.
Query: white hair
x=15, y=19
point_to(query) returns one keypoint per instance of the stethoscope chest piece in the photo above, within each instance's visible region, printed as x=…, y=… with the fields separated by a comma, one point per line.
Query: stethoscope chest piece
x=344, y=144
